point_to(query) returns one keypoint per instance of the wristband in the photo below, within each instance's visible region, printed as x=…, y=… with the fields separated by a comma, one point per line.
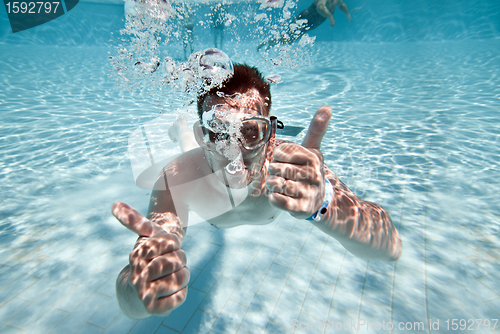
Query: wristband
x=324, y=207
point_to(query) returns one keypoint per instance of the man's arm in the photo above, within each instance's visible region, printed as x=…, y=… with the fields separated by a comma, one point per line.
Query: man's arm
x=363, y=228
x=296, y=183
x=155, y=281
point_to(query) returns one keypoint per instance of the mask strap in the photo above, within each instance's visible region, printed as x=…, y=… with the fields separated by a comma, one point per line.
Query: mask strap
x=275, y=124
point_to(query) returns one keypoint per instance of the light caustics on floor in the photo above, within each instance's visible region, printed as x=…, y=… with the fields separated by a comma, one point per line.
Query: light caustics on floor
x=415, y=129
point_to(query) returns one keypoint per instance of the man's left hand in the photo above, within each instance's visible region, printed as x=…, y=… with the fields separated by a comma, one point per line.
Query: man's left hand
x=296, y=178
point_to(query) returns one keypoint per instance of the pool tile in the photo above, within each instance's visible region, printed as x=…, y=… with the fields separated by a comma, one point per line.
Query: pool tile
x=481, y=291
x=242, y=232
x=354, y=267
x=219, y=237
x=267, y=229
x=371, y=313
x=208, y=276
x=263, y=260
x=89, y=329
x=180, y=317
x=313, y=248
x=347, y=295
x=273, y=328
x=288, y=306
x=317, y=300
x=147, y=325
x=382, y=267
x=203, y=256
x=47, y=282
x=121, y=324
x=247, y=287
x=334, y=248
x=276, y=238
x=197, y=241
x=494, y=304
x=253, y=244
x=258, y=313
x=82, y=292
x=200, y=323
x=412, y=257
x=409, y=284
x=237, y=267
x=82, y=313
x=491, y=282
x=106, y=314
x=47, y=322
x=229, y=318
x=404, y=310
x=16, y=287
x=440, y=304
x=10, y=330
x=328, y=269
x=80, y=274
x=344, y=320
x=274, y=280
x=287, y=254
x=165, y=330
x=109, y=286
x=299, y=233
x=301, y=275
x=12, y=308
x=307, y=324
x=227, y=252
x=39, y=307
x=218, y=296
x=114, y=265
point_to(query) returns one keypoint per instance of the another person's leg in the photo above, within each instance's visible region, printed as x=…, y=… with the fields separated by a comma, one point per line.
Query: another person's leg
x=181, y=133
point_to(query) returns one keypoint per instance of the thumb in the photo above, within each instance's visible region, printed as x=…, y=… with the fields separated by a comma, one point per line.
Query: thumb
x=317, y=128
x=134, y=221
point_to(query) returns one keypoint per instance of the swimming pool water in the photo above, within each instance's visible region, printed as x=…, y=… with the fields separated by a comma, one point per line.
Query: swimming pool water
x=415, y=128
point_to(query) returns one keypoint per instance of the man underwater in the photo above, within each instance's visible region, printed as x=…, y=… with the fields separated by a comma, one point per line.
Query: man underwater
x=239, y=156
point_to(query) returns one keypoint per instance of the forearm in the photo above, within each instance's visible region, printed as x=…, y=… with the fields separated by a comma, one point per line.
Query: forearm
x=363, y=228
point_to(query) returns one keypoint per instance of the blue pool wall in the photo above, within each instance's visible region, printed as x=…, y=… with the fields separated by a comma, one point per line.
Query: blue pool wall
x=376, y=21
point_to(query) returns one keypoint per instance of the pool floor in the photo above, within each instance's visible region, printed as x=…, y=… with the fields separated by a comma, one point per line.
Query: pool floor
x=415, y=129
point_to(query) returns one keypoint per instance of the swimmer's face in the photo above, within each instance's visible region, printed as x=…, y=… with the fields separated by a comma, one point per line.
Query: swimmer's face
x=249, y=162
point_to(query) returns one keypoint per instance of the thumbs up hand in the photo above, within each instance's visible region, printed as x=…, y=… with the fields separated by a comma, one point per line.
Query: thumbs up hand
x=296, y=178
x=158, y=271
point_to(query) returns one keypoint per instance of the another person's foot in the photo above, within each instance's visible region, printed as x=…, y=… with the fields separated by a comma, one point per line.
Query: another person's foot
x=175, y=129
x=332, y=21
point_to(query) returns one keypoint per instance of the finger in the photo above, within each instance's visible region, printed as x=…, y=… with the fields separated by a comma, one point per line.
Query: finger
x=295, y=154
x=317, y=128
x=275, y=183
x=165, y=304
x=297, y=207
x=165, y=265
x=295, y=172
x=134, y=221
x=166, y=285
x=286, y=187
x=162, y=243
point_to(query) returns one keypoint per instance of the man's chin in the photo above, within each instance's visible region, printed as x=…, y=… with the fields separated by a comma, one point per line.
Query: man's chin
x=238, y=180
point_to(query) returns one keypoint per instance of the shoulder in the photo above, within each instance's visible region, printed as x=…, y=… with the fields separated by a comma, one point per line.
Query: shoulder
x=187, y=167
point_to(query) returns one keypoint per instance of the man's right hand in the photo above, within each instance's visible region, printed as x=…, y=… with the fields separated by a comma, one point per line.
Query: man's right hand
x=158, y=271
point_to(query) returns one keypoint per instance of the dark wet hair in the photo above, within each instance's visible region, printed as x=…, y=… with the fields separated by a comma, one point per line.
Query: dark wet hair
x=245, y=78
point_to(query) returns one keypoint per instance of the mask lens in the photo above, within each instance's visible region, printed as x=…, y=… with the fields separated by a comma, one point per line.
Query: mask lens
x=253, y=132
